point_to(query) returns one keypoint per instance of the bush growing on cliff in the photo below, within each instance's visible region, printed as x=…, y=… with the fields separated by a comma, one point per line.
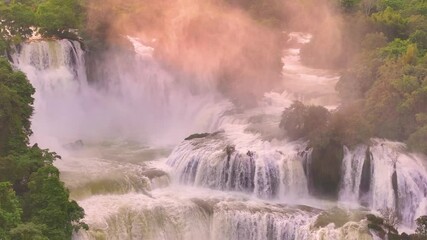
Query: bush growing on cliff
x=300, y=120
x=316, y=124
x=327, y=133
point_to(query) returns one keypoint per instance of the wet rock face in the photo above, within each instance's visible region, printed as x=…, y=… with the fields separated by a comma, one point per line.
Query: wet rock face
x=325, y=170
x=197, y=135
x=77, y=145
x=394, y=183
x=365, y=183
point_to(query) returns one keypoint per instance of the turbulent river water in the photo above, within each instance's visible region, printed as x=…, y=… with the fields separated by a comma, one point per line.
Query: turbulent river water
x=126, y=163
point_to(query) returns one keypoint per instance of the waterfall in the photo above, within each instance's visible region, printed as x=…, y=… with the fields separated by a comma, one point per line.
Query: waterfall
x=57, y=71
x=129, y=96
x=243, y=180
x=397, y=179
x=217, y=215
x=216, y=163
x=352, y=173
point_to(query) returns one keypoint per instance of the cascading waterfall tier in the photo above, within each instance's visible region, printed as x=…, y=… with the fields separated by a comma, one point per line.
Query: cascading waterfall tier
x=215, y=162
x=384, y=175
x=215, y=216
x=51, y=54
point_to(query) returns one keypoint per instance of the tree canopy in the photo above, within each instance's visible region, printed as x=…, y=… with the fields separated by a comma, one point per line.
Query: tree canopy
x=34, y=204
x=21, y=19
x=385, y=67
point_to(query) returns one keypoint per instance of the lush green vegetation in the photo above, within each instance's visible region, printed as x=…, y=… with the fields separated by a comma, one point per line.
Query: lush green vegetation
x=385, y=67
x=389, y=74
x=34, y=204
x=20, y=19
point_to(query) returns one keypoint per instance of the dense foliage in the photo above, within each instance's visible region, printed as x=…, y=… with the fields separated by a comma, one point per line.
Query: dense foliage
x=390, y=72
x=33, y=201
x=21, y=19
x=385, y=62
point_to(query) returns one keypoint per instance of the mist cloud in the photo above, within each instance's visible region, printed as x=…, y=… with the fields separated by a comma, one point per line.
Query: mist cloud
x=212, y=41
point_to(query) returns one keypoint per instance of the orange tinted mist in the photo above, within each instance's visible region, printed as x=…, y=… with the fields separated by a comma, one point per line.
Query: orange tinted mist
x=206, y=40
x=321, y=18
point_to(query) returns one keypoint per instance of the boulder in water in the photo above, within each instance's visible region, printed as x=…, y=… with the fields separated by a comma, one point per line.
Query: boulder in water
x=77, y=145
x=197, y=135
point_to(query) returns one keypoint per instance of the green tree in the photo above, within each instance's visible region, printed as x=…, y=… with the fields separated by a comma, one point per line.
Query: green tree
x=28, y=231
x=389, y=75
x=418, y=140
x=422, y=226
x=391, y=23
x=58, y=17
x=394, y=4
x=419, y=37
x=10, y=211
x=15, y=109
x=302, y=121
x=47, y=203
x=20, y=19
x=349, y=5
x=16, y=19
x=46, y=211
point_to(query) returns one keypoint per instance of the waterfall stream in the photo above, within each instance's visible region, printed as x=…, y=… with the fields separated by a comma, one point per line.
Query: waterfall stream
x=124, y=160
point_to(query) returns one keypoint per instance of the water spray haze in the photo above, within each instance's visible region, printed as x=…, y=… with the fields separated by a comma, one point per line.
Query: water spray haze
x=159, y=69
x=207, y=41
x=323, y=20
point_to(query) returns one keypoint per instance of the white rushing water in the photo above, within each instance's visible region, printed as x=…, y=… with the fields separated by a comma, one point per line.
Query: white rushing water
x=143, y=102
x=388, y=161
x=124, y=161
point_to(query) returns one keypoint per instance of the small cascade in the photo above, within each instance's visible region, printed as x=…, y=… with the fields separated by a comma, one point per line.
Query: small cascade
x=353, y=163
x=52, y=54
x=252, y=220
x=214, y=162
x=55, y=68
x=237, y=221
x=391, y=177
